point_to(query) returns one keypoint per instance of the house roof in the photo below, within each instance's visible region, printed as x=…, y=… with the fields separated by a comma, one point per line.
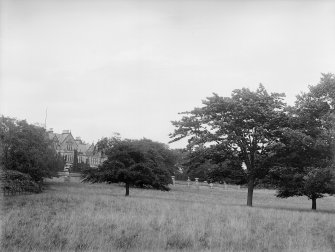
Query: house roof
x=62, y=137
x=51, y=136
x=91, y=148
x=83, y=148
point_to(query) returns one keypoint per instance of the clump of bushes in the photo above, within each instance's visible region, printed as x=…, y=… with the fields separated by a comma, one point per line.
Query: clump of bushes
x=26, y=148
x=14, y=182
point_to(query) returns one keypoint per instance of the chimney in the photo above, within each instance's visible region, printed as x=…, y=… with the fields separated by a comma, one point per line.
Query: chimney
x=65, y=132
x=51, y=130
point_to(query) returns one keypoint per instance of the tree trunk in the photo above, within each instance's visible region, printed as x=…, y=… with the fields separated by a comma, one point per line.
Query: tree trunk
x=127, y=189
x=313, y=203
x=251, y=183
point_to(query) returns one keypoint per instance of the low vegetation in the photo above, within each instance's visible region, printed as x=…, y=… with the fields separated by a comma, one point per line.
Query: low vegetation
x=74, y=216
x=14, y=182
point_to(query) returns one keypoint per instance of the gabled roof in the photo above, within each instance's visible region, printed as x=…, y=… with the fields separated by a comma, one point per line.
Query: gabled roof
x=83, y=148
x=51, y=136
x=91, y=148
x=62, y=137
x=70, y=138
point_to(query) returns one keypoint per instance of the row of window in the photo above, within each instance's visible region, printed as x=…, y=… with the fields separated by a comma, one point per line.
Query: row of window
x=94, y=161
x=68, y=158
x=81, y=159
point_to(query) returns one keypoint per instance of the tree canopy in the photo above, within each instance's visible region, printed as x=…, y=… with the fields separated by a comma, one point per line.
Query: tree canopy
x=247, y=123
x=304, y=165
x=25, y=148
x=139, y=163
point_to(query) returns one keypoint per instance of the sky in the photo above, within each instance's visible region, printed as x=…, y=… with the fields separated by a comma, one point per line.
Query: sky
x=100, y=67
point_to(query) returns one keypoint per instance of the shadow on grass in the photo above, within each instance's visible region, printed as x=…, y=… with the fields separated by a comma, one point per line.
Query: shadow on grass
x=295, y=209
x=240, y=205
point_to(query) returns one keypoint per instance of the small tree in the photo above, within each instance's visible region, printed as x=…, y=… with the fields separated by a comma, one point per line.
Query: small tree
x=304, y=161
x=128, y=163
x=317, y=183
x=312, y=182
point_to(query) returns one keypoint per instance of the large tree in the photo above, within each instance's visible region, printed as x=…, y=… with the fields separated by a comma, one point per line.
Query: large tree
x=247, y=123
x=305, y=162
x=139, y=163
x=26, y=148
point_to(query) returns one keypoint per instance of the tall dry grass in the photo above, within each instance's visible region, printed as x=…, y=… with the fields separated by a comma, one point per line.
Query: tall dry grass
x=75, y=217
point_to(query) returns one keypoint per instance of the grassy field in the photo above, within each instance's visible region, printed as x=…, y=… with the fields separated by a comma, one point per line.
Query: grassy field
x=74, y=217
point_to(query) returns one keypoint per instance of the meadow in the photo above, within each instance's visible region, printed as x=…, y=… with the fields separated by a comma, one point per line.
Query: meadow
x=73, y=216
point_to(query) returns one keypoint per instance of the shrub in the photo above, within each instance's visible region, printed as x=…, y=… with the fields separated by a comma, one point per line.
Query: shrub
x=16, y=182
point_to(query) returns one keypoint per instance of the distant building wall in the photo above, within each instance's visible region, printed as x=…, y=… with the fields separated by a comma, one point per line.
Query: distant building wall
x=65, y=145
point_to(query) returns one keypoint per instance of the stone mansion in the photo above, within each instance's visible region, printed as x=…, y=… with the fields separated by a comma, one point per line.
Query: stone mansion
x=65, y=144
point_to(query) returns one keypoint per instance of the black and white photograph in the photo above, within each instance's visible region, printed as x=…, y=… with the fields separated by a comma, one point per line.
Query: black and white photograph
x=167, y=125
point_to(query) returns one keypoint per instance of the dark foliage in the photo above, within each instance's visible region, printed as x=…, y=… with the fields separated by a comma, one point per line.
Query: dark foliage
x=247, y=123
x=312, y=182
x=26, y=148
x=17, y=182
x=304, y=161
x=138, y=163
x=214, y=164
x=75, y=165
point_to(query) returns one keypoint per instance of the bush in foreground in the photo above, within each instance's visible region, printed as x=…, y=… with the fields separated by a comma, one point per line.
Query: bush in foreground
x=18, y=182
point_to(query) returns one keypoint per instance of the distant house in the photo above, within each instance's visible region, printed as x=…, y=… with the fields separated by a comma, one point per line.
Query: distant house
x=65, y=144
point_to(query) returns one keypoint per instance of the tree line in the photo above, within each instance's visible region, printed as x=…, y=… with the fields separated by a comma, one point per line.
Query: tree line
x=254, y=137
x=249, y=138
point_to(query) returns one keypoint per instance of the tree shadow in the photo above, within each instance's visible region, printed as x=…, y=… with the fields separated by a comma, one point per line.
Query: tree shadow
x=236, y=204
x=296, y=209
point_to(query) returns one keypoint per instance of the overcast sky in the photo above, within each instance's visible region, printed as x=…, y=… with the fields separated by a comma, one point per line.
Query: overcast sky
x=130, y=66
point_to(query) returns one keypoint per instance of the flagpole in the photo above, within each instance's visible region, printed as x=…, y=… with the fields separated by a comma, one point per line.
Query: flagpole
x=45, y=121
